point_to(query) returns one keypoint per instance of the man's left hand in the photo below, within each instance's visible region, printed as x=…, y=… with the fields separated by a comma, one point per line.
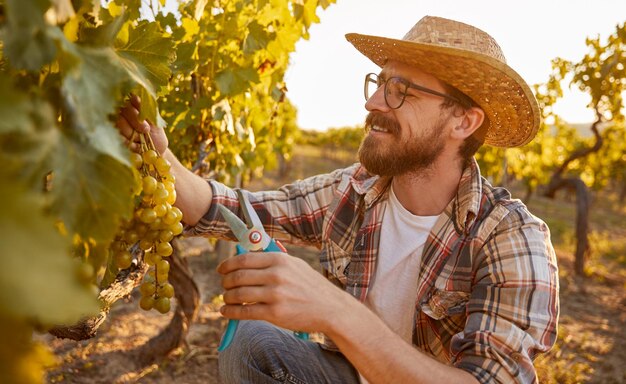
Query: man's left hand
x=281, y=289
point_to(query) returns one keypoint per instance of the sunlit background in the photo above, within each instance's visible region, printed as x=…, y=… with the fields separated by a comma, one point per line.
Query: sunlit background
x=325, y=78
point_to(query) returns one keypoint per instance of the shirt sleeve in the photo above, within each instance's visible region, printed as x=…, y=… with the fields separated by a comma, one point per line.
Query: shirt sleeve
x=293, y=213
x=513, y=309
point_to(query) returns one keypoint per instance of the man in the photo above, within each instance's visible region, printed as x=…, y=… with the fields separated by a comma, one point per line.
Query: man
x=430, y=273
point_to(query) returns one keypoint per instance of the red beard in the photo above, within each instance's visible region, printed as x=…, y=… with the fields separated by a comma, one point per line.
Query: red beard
x=393, y=157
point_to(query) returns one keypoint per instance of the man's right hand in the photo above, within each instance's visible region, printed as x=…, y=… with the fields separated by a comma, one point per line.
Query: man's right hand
x=193, y=193
x=128, y=122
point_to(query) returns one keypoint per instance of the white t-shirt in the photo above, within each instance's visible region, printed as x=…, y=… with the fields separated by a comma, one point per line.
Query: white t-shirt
x=392, y=292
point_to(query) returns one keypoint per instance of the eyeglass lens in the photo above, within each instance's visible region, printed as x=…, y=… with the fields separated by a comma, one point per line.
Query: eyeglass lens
x=394, y=89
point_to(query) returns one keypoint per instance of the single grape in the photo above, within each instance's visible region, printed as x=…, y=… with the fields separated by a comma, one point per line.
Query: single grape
x=161, y=196
x=149, y=156
x=147, y=303
x=162, y=165
x=123, y=259
x=163, y=266
x=171, y=197
x=145, y=244
x=147, y=289
x=160, y=209
x=166, y=235
x=166, y=290
x=178, y=212
x=162, y=304
x=164, y=249
x=177, y=228
x=149, y=184
x=136, y=160
x=147, y=215
x=170, y=217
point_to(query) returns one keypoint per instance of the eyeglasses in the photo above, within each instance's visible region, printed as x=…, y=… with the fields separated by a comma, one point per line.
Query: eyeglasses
x=395, y=90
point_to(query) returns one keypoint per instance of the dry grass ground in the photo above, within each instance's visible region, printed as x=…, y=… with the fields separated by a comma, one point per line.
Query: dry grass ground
x=591, y=347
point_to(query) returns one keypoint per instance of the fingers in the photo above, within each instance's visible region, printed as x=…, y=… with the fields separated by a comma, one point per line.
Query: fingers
x=124, y=127
x=135, y=101
x=245, y=277
x=252, y=260
x=130, y=113
x=249, y=294
x=256, y=311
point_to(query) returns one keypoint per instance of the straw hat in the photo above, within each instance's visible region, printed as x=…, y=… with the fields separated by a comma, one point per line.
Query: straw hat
x=471, y=61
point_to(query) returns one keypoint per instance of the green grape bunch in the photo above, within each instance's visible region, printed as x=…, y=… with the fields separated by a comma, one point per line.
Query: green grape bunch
x=154, y=224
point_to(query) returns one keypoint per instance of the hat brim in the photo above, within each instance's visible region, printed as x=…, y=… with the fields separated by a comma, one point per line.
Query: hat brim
x=510, y=106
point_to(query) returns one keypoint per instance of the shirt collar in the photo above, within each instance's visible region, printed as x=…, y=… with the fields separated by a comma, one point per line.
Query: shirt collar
x=372, y=186
x=465, y=207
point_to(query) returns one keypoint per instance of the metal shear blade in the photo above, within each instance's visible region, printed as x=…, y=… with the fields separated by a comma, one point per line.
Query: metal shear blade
x=251, y=236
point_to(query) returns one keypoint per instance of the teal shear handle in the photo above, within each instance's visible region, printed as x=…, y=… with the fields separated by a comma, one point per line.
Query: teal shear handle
x=231, y=328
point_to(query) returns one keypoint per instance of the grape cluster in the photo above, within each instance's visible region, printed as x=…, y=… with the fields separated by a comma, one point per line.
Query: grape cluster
x=152, y=228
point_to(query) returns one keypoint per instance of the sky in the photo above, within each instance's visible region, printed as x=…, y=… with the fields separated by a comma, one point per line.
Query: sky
x=325, y=77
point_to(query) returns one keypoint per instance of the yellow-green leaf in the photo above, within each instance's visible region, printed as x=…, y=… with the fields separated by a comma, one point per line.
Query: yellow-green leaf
x=36, y=278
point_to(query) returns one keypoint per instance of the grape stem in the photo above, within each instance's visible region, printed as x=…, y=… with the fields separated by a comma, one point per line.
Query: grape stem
x=151, y=146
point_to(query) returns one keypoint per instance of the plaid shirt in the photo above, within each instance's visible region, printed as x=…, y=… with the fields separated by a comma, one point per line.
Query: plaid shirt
x=487, y=296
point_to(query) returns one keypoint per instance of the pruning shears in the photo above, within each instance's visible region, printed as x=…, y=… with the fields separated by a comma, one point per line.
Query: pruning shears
x=252, y=238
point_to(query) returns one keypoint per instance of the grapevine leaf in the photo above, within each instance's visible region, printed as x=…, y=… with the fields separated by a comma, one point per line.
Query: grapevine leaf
x=298, y=10
x=257, y=38
x=150, y=104
x=130, y=7
x=34, y=279
x=103, y=35
x=91, y=190
x=191, y=28
x=167, y=20
x=27, y=40
x=186, y=54
x=14, y=109
x=232, y=81
x=309, y=14
x=146, y=57
x=28, y=135
x=92, y=85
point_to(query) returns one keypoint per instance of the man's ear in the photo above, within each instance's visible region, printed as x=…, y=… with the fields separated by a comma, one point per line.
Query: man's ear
x=471, y=120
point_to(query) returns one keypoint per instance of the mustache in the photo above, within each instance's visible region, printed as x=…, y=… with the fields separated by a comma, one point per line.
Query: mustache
x=382, y=121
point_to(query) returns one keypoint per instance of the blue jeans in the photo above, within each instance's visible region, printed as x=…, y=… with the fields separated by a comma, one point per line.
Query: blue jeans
x=263, y=353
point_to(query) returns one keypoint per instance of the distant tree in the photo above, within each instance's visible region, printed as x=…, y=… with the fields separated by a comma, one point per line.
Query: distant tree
x=560, y=158
x=602, y=75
